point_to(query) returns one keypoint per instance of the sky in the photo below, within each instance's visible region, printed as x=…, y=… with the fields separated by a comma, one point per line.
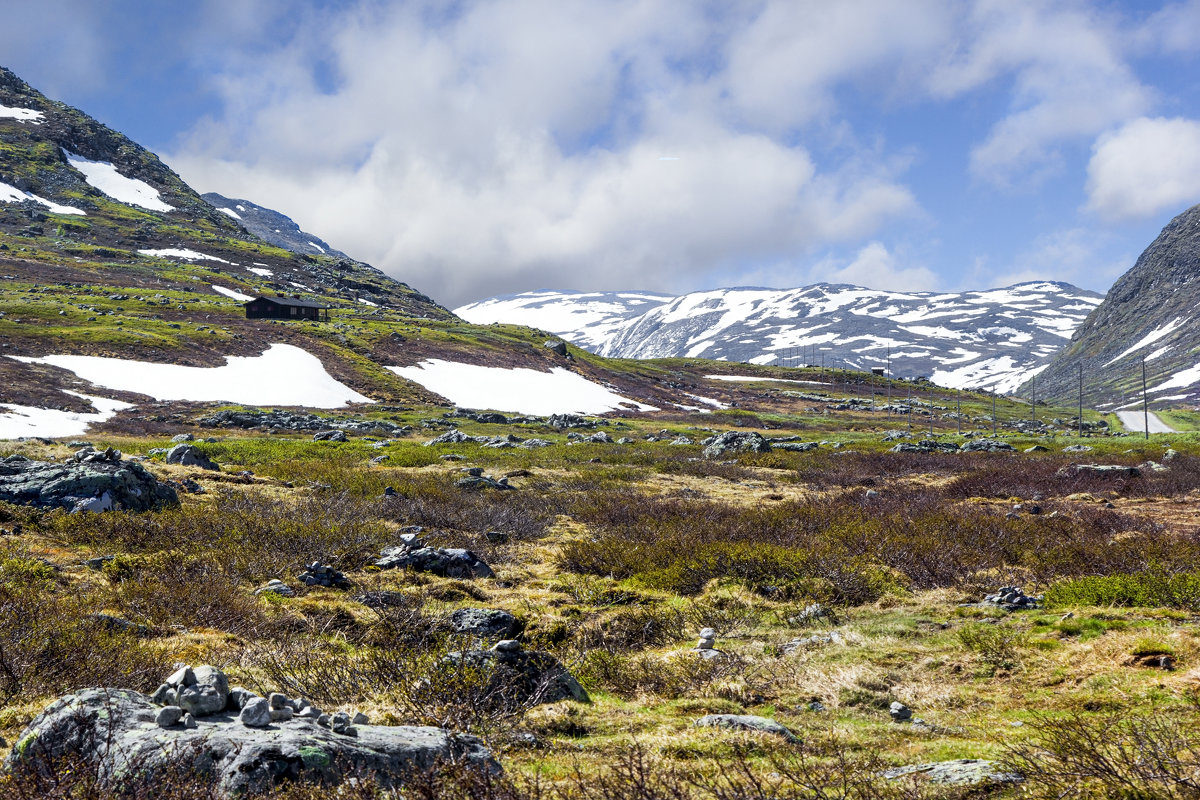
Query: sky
x=480, y=148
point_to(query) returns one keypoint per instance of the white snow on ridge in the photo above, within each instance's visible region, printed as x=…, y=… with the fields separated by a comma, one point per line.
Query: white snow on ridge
x=282, y=375
x=1149, y=339
x=22, y=115
x=244, y=298
x=316, y=246
x=105, y=177
x=11, y=194
x=265, y=273
x=183, y=254
x=519, y=390
x=18, y=421
x=231, y=213
x=1180, y=380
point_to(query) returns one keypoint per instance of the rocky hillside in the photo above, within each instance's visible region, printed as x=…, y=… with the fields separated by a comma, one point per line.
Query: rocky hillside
x=271, y=226
x=989, y=339
x=74, y=191
x=1150, y=314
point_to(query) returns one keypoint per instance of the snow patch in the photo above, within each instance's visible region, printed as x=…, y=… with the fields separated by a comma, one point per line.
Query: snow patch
x=18, y=421
x=105, y=177
x=22, y=115
x=182, y=254
x=11, y=194
x=283, y=375
x=317, y=247
x=1149, y=339
x=519, y=390
x=231, y=213
x=244, y=298
x=266, y=273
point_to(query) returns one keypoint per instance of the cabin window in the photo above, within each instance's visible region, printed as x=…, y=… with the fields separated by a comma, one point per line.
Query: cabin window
x=293, y=309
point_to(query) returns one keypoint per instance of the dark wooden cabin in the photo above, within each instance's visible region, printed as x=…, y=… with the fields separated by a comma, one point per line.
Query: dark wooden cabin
x=286, y=308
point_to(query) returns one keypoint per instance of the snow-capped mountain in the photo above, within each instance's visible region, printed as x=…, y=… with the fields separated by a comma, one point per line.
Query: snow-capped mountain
x=588, y=319
x=991, y=339
x=1149, y=315
x=271, y=226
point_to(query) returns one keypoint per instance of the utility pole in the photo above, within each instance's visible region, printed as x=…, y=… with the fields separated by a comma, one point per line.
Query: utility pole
x=1145, y=403
x=889, y=378
x=1033, y=399
x=931, y=396
x=1080, y=399
x=909, y=401
x=958, y=412
x=993, y=415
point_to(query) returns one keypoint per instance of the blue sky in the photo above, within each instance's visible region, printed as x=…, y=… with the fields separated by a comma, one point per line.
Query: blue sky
x=478, y=148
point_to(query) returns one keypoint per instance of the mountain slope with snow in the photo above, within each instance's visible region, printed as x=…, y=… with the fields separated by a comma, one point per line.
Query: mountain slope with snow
x=1149, y=314
x=271, y=226
x=588, y=319
x=990, y=339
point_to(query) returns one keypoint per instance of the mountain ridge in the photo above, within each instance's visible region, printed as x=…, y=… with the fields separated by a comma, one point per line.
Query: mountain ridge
x=1150, y=312
x=1000, y=336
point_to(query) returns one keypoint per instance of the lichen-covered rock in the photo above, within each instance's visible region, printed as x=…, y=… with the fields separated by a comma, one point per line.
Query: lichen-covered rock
x=447, y=562
x=188, y=455
x=746, y=722
x=737, y=442
x=486, y=623
x=114, y=732
x=523, y=676
x=962, y=771
x=78, y=484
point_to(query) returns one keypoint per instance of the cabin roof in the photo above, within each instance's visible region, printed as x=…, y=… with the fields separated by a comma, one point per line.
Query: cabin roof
x=290, y=301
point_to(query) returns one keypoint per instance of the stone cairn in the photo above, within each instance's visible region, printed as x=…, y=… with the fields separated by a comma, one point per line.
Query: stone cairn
x=204, y=691
x=318, y=574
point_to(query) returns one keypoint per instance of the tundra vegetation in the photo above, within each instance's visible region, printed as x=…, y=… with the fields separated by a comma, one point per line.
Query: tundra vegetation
x=837, y=581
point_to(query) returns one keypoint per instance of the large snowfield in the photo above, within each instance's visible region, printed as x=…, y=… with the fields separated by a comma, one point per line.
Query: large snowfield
x=518, y=390
x=105, y=177
x=11, y=194
x=283, y=375
x=18, y=421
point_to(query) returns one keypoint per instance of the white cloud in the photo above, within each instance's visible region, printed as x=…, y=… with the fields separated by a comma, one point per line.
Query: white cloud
x=1143, y=167
x=1070, y=81
x=519, y=145
x=1080, y=256
x=875, y=267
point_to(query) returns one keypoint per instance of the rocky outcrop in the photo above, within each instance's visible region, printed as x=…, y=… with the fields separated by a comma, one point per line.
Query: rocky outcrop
x=736, y=442
x=447, y=562
x=962, y=772
x=188, y=455
x=485, y=623
x=122, y=734
x=521, y=676
x=93, y=482
x=288, y=421
x=746, y=722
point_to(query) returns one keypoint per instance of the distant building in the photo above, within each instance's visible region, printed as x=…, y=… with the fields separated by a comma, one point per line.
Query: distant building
x=877, y=370
x=286, y=308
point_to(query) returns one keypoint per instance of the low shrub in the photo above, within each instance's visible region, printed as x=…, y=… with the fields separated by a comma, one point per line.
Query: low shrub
x=1145, y=590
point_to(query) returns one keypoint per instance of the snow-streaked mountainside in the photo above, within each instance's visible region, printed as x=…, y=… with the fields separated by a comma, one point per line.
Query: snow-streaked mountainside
x=994, y=339
x=588, y=319
x=271, y=226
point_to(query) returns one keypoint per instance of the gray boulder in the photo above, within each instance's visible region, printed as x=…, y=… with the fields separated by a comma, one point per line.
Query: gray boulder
x=188, y=455
x=520, y=676
x=330, y=436
x=737, y=442
x=986, y=446
x=559, y=347
x=447, y=562
x=962, y=771
x=486, y=623
x=83, y=484
x=1099, y=471
x=746, y=722
x=114, y=732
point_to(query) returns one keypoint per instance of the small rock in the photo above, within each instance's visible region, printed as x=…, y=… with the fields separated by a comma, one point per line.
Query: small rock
x=256, y=713
x=168, y=716
x=746, y=722
x=899, y=712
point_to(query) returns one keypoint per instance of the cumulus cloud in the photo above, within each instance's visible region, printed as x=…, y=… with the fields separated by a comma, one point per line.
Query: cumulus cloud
x=522, y=145
x=1070, y=81
x=1144, y=167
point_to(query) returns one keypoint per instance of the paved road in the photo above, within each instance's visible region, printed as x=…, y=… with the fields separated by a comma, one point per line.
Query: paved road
x=1134, y=421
